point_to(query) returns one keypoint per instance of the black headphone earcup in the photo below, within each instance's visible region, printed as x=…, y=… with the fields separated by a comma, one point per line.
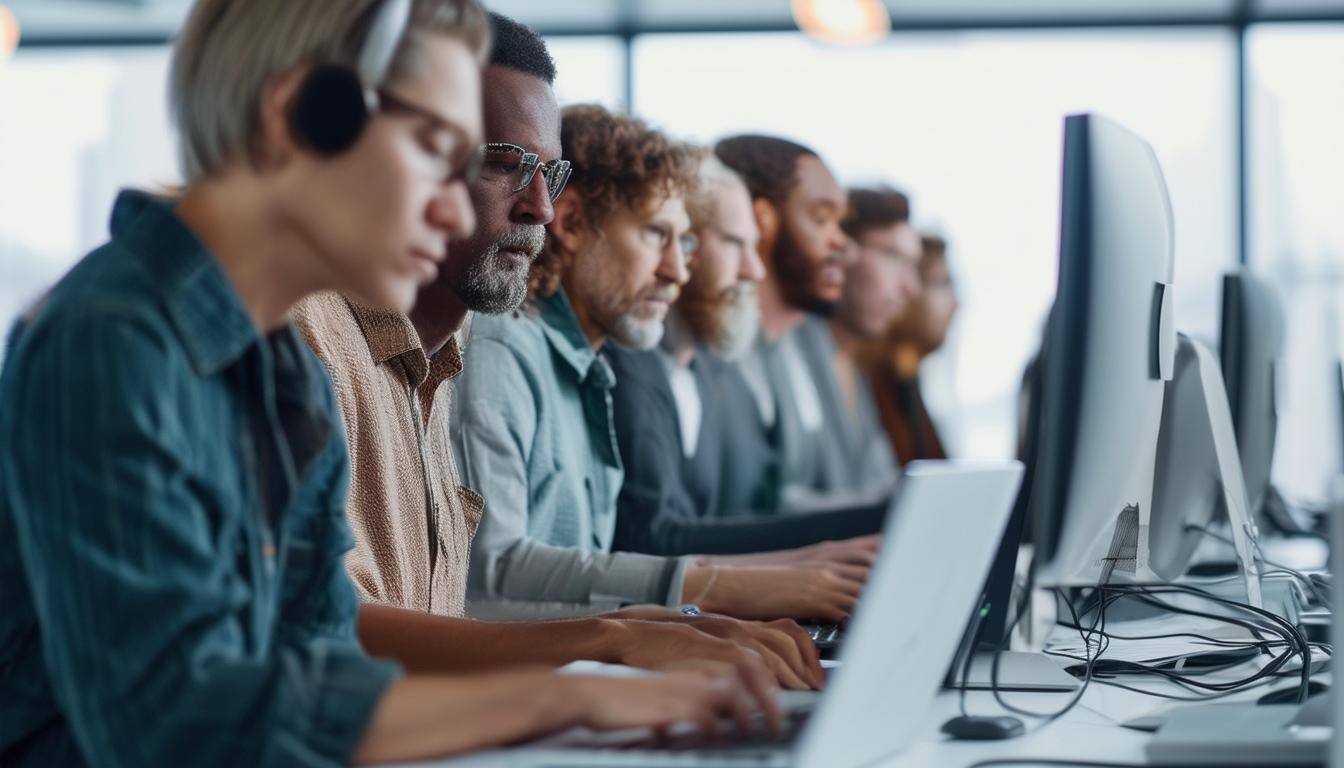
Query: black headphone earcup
x=329, y=112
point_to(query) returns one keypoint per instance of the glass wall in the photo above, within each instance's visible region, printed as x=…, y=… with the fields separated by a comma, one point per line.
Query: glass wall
x=95, y=120
x=1296, y=99
x=76, y=125
x=970, y=124
x=589, y=69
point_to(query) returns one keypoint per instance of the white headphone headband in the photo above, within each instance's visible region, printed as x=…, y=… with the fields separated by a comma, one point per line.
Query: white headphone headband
x=375, y=56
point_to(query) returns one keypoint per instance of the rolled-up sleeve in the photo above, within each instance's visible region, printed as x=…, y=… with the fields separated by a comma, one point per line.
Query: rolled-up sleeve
x=146, y=588
x=512, y=573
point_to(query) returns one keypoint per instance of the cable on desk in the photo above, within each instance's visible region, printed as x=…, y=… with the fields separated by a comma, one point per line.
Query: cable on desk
x=1277, y=625
x=1324, y=600
x=1184, y=678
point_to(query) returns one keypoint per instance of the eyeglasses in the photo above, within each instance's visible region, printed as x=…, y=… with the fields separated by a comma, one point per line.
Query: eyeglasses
x=519, y=167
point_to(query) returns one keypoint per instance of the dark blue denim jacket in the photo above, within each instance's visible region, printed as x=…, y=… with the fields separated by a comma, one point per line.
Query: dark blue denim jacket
x=172, y=524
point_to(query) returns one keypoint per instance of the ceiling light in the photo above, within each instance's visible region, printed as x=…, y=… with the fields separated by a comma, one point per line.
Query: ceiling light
x=9, y=32
x=843, y=22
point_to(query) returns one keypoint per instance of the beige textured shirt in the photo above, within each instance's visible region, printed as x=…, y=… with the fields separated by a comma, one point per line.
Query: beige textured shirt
x=412, y=520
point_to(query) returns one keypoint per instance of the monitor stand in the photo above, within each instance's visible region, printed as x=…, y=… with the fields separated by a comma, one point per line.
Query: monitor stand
x=1019, y=671
x=1217, y=418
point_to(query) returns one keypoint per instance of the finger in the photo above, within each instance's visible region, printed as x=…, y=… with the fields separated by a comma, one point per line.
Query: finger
x=759, y=683
x=744, y=710
x=718, y=698
x=836, y=607
x=782, y=650
x=850, y=572
x=811, y=655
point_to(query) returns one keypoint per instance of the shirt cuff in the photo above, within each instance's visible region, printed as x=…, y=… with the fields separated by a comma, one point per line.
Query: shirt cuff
x=348, y=686
x=677, y=580
x=630, y=577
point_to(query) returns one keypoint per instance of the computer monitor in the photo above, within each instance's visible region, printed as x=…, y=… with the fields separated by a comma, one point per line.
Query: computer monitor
x=1109, y=350
x=1198, y=479
x=1339, y=413
x=1096, y=388
x=1250, y=349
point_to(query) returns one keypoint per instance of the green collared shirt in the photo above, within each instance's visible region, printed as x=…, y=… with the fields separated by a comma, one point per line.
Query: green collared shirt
x=172, y=524
x=534, y=433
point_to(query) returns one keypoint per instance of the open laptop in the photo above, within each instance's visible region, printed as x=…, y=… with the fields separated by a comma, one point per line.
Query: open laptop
x=942, y=530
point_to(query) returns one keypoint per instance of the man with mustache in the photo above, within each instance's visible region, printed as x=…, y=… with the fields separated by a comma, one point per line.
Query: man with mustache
x=668, y=422
x=854, y=454
x=534, y=430
x=799, y=208
x=412, y=520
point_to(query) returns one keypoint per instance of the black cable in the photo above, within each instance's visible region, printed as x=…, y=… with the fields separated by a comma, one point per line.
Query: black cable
x=1048, y=717
x=976, y=623
x=1301, y=576
x=1303, y=646
x=1183, y=679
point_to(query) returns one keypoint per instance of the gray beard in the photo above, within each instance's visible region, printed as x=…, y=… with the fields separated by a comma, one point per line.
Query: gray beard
x=739, y=323
x=633, y=333
x=490, y=287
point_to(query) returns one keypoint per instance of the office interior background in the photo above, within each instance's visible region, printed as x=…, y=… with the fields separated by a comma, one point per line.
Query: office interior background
x=960, y=104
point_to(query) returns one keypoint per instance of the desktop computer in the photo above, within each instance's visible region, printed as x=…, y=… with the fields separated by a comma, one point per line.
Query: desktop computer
x=1251, y=348
x=1109, y=352
x=1097, y=391
x=1199, y=475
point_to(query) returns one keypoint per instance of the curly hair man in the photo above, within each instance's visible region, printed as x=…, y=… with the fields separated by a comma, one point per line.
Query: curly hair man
x=534, y=429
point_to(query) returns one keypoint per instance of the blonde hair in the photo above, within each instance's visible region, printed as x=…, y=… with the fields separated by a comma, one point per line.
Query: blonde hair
x=702, y=205
x=230, y=50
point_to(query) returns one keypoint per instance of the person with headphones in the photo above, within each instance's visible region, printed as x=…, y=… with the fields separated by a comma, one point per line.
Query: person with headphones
x=173, y=468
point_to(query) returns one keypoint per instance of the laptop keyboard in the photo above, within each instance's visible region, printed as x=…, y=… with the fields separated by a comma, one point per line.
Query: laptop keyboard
x=689, y=748
x=825, y=635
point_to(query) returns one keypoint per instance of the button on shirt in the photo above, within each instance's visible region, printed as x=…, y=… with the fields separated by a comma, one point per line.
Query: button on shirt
x=535, y=436
x=172, y=525
x=413, y=522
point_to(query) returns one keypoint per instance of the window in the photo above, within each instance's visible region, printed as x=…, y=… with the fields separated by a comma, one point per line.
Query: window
x=970, y=124
x=589, y=69
x=76, y=127
x=1296, y=103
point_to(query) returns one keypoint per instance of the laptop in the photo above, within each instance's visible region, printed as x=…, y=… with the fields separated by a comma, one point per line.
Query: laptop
x=941, y=533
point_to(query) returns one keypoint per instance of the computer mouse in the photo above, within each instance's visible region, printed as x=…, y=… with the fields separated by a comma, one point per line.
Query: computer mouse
x=1289, y=695
x=973, y=728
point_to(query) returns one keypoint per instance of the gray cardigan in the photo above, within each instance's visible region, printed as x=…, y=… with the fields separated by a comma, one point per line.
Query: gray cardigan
x=534, y=436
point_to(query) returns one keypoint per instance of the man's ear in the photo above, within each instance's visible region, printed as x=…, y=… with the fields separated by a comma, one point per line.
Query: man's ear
x=569, y=228
x=279, y=143
x=767, y=221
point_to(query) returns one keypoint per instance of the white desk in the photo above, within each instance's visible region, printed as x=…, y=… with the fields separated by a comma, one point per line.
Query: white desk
x=1092, y=730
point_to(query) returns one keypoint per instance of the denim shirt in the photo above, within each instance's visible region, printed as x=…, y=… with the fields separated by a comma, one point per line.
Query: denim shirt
x=535, y=436
x=172, y=524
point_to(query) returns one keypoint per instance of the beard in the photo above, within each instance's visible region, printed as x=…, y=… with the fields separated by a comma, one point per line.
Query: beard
x=493, y=284
x=633, y=331
x=794, y=273
x=727, y=322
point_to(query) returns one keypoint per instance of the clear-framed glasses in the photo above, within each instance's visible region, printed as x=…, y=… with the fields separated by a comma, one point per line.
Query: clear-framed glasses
x=512, y=162
x=688, y=244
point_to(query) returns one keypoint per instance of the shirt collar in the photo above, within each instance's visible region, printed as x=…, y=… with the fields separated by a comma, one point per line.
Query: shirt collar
x=391, y=335
x=560, y=326
x=201, y=302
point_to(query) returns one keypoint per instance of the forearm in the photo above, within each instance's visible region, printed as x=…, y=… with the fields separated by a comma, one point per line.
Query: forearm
x=528, y=570
x=425, y=643
x=430, y=716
